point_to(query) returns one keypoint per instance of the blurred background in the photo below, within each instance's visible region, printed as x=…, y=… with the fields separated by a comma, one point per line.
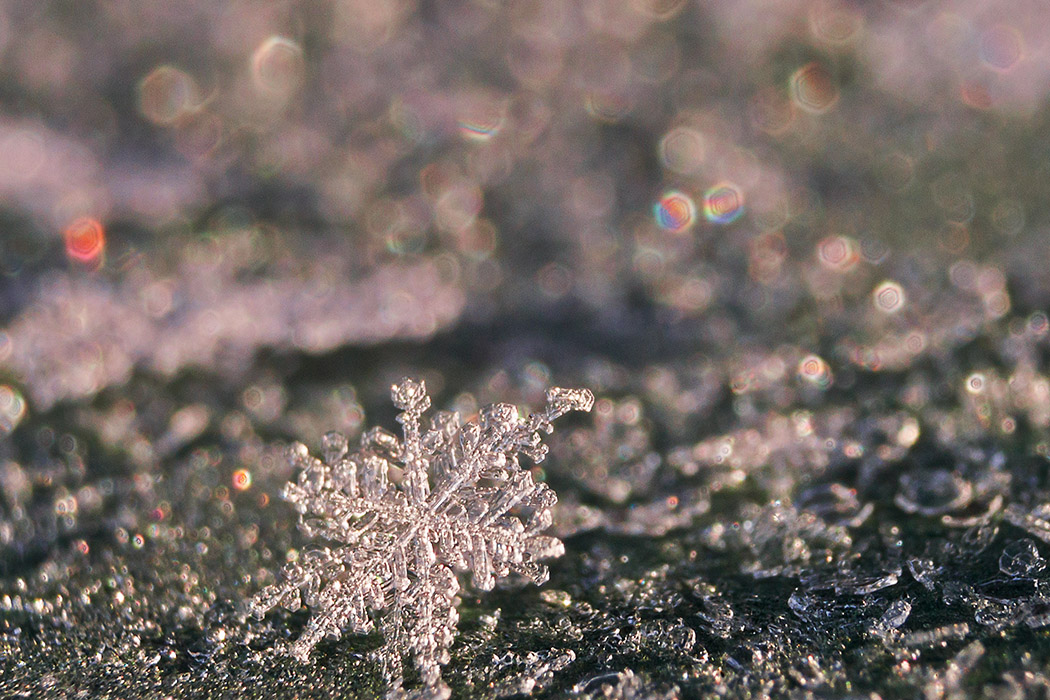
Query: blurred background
x=798, y=249
x=195, y=180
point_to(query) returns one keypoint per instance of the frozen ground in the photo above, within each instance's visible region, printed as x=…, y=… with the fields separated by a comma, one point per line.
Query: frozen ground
x=797, y=250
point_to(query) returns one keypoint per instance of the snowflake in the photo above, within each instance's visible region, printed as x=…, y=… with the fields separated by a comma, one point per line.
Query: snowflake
x=403, y=517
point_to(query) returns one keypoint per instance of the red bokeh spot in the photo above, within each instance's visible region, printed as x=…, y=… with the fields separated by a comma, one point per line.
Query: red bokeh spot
x=85, y=240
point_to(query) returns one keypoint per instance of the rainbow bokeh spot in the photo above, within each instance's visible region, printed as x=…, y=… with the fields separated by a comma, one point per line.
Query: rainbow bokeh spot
x=813, y=89
x=675, y=211
x=242, y=479
x=888, y=297
x=479, y=129
x=815, y=370
x=723, y=203
x=85, y=240
x=481, y=120
x=1002, y=47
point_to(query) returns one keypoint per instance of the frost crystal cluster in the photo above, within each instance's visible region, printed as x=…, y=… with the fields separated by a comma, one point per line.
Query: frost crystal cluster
x=401, y=518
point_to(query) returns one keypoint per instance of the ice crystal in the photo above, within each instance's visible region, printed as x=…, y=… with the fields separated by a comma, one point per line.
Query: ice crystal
x=404, y=516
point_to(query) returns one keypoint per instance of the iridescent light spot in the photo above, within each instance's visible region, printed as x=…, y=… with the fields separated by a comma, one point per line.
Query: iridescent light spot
x=682, y=150
x=12, y=409
x=723, y=203
x=675, y=211
x=975, y=383
x=814, y=370
x=1038, y=325
x=482, y=121
x=166, y=94
x=1002, y=47
x=838, y=253
x=873, y=250
x=85, y=240
x=813, y=89
x=888, y=297
x=478, y=130
x=277, y=65
x=242, y=480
